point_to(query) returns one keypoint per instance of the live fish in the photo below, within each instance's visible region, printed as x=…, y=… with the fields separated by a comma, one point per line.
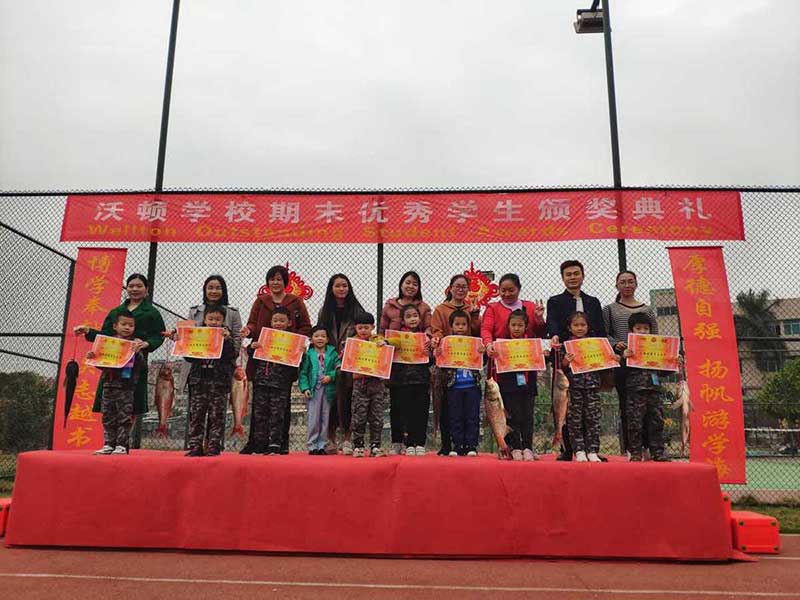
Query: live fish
x=683, y=401
x=560, y=403
x=239, y=397
x=165, y=396
x=496, y=415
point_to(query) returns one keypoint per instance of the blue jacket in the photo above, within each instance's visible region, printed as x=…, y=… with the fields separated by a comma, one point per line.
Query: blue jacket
x=309, y=370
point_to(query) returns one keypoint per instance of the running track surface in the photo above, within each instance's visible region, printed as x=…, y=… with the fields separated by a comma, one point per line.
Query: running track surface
x=27, y=573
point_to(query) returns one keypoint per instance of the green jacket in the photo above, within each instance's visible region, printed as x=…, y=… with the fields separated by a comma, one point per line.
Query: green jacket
x=149, y=326
x=309, y=371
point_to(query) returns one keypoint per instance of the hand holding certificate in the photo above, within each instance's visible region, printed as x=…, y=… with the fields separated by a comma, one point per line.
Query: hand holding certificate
x=198, y=342
x=591, y=354
x=280, y=347
x=659, y=352
x=367, y=358
x=519, y=355
x=111, y=352
x=459, y=352
x=409, y=347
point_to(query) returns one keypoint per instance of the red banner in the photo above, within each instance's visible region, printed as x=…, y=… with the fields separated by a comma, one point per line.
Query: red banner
x=407, y=217
x=96, y=289
x=712, y=360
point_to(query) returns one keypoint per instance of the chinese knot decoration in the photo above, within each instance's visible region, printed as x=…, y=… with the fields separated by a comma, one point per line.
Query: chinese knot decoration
x=481, y=290
x=297, y=286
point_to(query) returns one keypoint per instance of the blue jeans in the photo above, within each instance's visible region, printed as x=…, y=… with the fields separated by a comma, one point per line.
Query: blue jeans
x=465, y=410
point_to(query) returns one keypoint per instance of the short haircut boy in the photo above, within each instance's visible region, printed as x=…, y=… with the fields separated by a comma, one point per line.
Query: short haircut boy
x=280, y=310
x=123, y=313
x=218, y=310
x=456, y=314
x=364, y=318
x=317, y=328
x=640, y=318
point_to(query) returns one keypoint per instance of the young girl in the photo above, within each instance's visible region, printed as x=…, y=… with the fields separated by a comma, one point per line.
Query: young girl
x=409, y=394
x=317, y=376
x=583, y=417
x=518, y=390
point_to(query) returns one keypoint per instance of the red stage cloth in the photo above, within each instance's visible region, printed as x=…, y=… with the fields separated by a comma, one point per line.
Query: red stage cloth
x=433, y=506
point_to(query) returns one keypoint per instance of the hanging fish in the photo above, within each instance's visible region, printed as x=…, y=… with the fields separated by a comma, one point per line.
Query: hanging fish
x=496, y=415
x=239, y=397
x=165, y=396
x=560, y=395
x=683, y=401
x=70, y=382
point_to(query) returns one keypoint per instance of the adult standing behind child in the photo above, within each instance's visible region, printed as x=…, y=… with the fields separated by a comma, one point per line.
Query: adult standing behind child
x=318, y=384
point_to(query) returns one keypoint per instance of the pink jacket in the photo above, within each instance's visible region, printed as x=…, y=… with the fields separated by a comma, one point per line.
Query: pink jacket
x=495, y=322
x=390, y=316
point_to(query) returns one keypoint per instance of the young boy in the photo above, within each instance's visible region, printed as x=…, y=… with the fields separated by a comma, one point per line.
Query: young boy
x=368, y=402
x=463, y=396
x=118, y=388
x=317, y=383
x=209, y=385
x=644, y=407
x=272, y=388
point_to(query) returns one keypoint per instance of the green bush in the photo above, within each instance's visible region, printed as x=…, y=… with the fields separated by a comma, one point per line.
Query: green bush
x=26, y=401
x=780, y=396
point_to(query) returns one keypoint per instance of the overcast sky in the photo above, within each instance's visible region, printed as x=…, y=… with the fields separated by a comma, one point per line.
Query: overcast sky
x=416, y=94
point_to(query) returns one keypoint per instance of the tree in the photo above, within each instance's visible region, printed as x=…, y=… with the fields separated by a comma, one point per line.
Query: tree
x=780, y=395
x=756, y=319
x=26, y=404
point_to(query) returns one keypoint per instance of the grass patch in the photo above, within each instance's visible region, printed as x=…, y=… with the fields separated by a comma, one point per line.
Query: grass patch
x=788, y=515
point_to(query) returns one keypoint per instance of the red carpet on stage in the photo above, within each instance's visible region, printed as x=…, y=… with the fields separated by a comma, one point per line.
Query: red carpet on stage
x=431, y=506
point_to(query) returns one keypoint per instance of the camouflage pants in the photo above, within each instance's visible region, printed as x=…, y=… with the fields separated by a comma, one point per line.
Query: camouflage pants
x=583, y=419
x=645, y=413
x=269, y=414
x=117, y=408
x=368, y=407
x=207, y=399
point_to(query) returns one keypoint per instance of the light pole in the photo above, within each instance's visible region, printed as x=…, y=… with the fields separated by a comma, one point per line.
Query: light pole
x=597, y=19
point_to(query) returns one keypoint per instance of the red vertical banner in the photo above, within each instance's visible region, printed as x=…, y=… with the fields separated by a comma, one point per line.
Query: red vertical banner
x=95, y=291
x=712, y=360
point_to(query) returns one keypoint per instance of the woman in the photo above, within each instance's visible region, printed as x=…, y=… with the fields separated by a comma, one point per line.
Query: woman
x=337, y=316
x=215, y=293
x=149, y=327
x=494, y=327
x=456, y=299
x=260, y=317
x=615, y=316
x=409, y=292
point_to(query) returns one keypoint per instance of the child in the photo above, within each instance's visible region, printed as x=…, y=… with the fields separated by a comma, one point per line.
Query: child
x=643, y=406
x=463, y=396
x=410, y=394
x=317, y=376
x=209, y=385
x=118, y=388
x=518, y=390
x=272, y=388
x=583, y=417
x=368, y=403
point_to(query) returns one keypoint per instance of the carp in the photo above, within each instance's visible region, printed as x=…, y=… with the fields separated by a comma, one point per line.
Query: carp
x=560, y=404
x=496, y=415
x=683, y=402
x=165, y=396
x=239, y=397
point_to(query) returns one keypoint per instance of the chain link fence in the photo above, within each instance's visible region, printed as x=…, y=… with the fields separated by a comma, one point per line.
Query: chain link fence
x=764, y=263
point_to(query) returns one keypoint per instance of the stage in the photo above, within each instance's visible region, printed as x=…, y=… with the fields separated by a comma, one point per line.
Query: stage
x=400, y=506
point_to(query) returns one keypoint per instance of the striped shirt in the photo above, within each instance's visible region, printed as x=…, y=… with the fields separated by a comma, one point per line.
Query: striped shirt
x=616, y=317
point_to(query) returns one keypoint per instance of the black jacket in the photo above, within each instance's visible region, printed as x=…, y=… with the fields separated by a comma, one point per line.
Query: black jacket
x=560, y=307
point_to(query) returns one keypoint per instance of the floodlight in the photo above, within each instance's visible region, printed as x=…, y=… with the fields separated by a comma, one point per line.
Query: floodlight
x=589, y=20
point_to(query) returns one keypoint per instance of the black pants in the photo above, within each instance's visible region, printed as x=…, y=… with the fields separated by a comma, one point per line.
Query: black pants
x=519, y=404
x=620, y=378
x=409, y=413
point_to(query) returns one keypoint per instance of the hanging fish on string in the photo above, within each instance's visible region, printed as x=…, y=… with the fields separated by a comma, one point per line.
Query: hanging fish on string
x=71, y=373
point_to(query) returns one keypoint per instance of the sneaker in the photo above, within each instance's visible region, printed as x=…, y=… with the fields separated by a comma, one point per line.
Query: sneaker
x=419, y=451
x=661, y=458
x=564, y=456
x=529, y=455
x=452, y=453
x=445, y=451
x=313, y=452
x=248, y=449
x=105, y=450
x=330, y=448
x=516, y=454
x=397, y=449
x=410, y=451
x=472, y=452
x=120, y=450
x=377, y=451
x=273, y=450
x=635, y=458
x=357, y=453
x=347, y=448
x=213, y=452
x=580, y=456
x=646, y=454
x=592, y=457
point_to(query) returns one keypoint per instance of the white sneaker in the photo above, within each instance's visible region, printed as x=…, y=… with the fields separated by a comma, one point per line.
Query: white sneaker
x=377, y=451
x=453, y=453
x=355, y=452
x=592, y=457
x=419, y=451
x=397, y=449
x=646, y=454
x=410, y=451
x=472, y=453
x=529, y=455
x=347, y=448
x=516, y=454
x=105, y=450
x=580, y=456
x=120, y=450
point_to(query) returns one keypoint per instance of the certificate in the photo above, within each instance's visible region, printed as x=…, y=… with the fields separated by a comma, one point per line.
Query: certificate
x=591, y=354
x=198, y=342
x=282, y=347
x=409, y=347
x=459, y=352
x=110, y=352
x=519, y=355
x=367, y=358
x=658, y=352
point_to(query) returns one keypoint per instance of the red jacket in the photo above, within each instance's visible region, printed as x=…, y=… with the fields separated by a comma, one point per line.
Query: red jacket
x=495, y=322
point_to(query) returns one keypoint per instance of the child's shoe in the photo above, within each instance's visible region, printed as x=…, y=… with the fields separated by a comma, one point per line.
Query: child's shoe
x=660, y=457
x=646, y=454
x=120, y=450
x=105, y=450
x=330, y=448
x=377, y=451
x=273, y=450
x=397, y=449
x=213, y=452
x=452, y=453
x=580, y=456
x=419, y=451
x=445, y=450
x=635, y=457
x=356, y=452
x=529, y=455
x=347, y=448
x=472, y=452
x=194, y=452
x=410, y=451
x=592, y=457
x=516, y=454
